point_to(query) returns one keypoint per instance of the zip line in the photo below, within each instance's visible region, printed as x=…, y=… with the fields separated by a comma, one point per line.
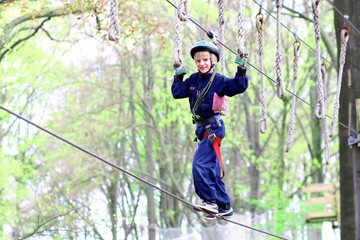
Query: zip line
x=129, y=173
x=266, y=75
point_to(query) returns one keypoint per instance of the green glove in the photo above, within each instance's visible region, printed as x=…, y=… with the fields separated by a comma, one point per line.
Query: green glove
x=180, y=70
x=240, y=62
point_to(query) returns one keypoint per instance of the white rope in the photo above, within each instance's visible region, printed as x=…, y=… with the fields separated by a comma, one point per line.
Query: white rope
x=241, y=31
x=183, y=10
x=260, y=28
x=114, y=28
x=222, y=49
x=280, y=86
x=291, y=128
x=222, y=34
x=320, y=111
x=344, y=37
x=325, y=126
x=179, y=16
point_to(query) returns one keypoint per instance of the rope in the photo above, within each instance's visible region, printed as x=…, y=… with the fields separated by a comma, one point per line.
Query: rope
x=325, y=127
x=114, y=28
x=179, y=16
x=260, y=28
x=280, y=87
x=291, y=128
x=241, y=31
x=320, y=106
x=222, y=34
x=344, y=37
x=222, y=50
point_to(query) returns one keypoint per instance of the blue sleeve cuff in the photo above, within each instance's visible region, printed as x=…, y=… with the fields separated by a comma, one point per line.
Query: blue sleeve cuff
x=241, y=71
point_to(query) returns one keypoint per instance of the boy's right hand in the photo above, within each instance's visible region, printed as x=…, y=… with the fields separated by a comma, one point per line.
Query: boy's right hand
x=180, y=70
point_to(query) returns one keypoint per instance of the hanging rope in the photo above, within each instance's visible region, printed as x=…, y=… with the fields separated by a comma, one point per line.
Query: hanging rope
x=114, y=28
x=291, y=128
x=320, y=106
x=325, y=127
x=344, y=37
x=280, y=86
x=222, y=49
x=222, y=34
x=178, y=62
x=260, y=29
x=241, y=32
x=183, y=11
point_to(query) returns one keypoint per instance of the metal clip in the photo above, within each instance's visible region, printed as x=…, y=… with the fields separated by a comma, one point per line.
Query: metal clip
x=353, y=140
x=212, y=138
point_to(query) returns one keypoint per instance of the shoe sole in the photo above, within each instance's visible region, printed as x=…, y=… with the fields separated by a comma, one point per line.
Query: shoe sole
x=211, y=219
x=205, y=210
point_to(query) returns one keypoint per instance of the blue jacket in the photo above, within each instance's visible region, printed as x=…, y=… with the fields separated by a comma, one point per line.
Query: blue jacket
x=222, y=85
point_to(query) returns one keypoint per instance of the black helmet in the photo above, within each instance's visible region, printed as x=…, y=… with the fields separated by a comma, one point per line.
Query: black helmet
x=205, y=46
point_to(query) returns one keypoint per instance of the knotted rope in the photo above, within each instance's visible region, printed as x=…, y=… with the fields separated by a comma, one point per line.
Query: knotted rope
x=178, y=40
x=325, y=127
x=291, y=128
x=114, y=28
x=222, y=49
x=320, y=110
x=280, y=87
x=344, y=37
x=241, y=32
x=260, y=28
x=222, y=34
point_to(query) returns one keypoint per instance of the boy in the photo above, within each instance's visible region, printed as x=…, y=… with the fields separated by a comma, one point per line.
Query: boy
x=204, y=90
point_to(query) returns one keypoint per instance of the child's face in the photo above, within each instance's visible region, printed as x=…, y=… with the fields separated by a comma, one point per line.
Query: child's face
x=203, y=63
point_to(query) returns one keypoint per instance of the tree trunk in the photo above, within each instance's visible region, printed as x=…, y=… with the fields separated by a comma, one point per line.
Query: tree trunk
x=350, y=91
x=148, y=85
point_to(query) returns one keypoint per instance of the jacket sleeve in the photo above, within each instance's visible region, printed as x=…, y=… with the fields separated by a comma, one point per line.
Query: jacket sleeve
x=180, y=89
x=236, y=85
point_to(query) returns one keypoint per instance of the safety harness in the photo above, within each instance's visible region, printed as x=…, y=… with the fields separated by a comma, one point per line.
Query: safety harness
x=216, y=142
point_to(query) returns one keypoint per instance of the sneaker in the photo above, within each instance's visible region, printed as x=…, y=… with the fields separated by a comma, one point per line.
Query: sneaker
x=222, y=214
x=225, y=213
x=208, y=207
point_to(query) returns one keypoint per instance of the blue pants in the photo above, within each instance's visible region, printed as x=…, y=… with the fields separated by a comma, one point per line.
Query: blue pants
x=206, y=168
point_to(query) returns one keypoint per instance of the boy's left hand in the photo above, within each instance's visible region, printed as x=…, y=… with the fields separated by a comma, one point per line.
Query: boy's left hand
x=180, y=70
x=240, y=62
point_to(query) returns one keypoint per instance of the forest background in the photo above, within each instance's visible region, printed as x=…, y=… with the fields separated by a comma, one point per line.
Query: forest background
x=59, y=70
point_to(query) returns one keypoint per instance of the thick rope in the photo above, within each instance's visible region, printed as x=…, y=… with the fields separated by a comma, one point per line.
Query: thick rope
x=222, y=34
x=280, y=86
x=291, y=128
x=260, y=28
x=222, y=49
x=325, y=127
x=320, y=106
x=179, y=16
x=114, y=28
x=241, y=31
x=344, y=37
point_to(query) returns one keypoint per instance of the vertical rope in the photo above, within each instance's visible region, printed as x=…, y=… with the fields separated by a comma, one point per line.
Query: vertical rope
x=260, y=28
x=325, y=126
x=222, y=34
x=222, y=49
x=291, y=128
x=114, y=28
x=241, y=31
x=179, y=16
x=320, y=106
x=280, y=87
x=344, y=37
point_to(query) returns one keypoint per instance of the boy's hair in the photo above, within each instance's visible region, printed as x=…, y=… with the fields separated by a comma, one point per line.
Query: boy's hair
x=206, y=54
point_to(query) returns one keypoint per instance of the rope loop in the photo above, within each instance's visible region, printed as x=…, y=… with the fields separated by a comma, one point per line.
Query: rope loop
x=280, y=86
x=183, y=5
x=114, y=28
x=260, y=27
x=344, y=37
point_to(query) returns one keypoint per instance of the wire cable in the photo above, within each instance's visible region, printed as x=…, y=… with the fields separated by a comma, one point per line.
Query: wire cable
x=344, y=16
x=127, y=172
x=266, y=75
